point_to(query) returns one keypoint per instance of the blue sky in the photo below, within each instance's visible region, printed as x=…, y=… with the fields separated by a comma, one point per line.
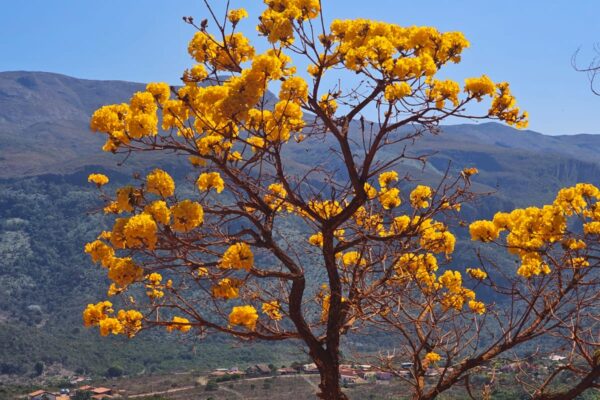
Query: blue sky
x=528, y=43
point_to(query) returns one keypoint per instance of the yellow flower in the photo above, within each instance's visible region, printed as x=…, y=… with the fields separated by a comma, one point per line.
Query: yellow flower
x=94, y=313
x=159, y=211
x=272, y=309
x=477, y=273
x=451, y=280
x=420, y=196
x=479, y=87
x=484, y=231
x=179, y=324
x=470, y=171
x=131, y=321
x=100, y=252
x=477, y=306
x=210, y=180
x=160, y=90
x=245, y=316
x=432, y=357
x=159, y=182
x=123, y=271
x=389, y=198
x=227, y=288
x=238, y=256
x=316, y=239
x=352, y=259
x=98, y=179
x=187, y=215
x=397, y=91
x=387, y=178
x=234, y=16
x=140, y=231
x=370, y=191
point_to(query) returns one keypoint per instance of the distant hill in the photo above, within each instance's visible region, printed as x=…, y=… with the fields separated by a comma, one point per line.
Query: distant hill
x=44, y=120
x=47, y=150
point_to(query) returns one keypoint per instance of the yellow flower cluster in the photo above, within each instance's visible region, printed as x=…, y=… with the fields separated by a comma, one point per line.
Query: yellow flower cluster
x=160, y=183
x=442, y=91
x=245, y=316
x=435, y=237
x=353, y=259
x=477, y=273
x=421, y=267
x=272, y=309
x=386, y=178
x=140, y=231
x=159, y=211
x=155, y=289
x=210, y=180
x=397, y=91
x=187, y=215
x=234, y=16
x=160, y=90
x=420, y=196
x=238, y=256
x=179, y=324
x=275, y=197
x=457, y=294
x=400, y=53
x=325, y=209
x=127, y=322
x=389, y=198
x=276, y=21
x=432, y=357
x=227, y=288
x=98, y=179
x=100, y=252
x=532, y=229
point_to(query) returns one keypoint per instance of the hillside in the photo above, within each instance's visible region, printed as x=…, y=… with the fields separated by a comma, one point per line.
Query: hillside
x=46, y=152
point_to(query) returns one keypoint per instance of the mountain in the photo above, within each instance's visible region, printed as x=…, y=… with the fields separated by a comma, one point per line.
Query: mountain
x=47, y=150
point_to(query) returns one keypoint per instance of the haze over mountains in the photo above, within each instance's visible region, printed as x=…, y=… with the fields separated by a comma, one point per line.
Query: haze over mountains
x=46, y=151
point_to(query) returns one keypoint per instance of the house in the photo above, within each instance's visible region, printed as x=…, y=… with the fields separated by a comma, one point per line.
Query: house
x=258, y=369
x=85, y=388
x=310, y=368
x=286, y=371
x=383, y=376
x=63, y=397
x=556, y=357
x=101, y=391
x=349, y=380
x=41, y=395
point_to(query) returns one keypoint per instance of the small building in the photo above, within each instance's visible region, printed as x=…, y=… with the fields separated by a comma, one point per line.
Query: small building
x=556, y=357
x=258, y=369
x=41, y=395
x=310, y=368
x=101, y=391
x=286, y=371
x=383, y=376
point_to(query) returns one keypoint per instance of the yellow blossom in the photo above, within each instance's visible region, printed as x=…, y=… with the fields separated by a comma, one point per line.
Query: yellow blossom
x=238, y=256
x=187, y=215
x=210, y=180
x=272, y=309
x=159, y=182
x=98, y=179
x=245, y=316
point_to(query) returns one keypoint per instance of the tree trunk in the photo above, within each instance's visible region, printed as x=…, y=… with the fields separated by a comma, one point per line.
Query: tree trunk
x=329, y=369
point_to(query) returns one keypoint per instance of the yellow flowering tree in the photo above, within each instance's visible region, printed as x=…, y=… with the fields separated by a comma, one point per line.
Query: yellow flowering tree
x=218, y=262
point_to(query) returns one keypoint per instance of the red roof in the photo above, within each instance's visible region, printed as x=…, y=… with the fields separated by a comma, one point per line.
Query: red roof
x=85, y=387
x=101, y=390
x=37, y=393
